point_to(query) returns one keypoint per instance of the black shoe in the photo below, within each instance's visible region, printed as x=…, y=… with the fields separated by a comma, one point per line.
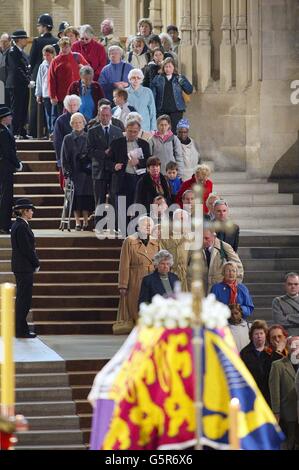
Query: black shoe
x=85, y=228
x=29, y=335
x=78, y=228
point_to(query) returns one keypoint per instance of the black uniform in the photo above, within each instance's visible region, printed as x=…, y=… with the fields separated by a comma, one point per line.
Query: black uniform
x=18, y=79
x=24, y=263
x=35, y=59
x=9, y=163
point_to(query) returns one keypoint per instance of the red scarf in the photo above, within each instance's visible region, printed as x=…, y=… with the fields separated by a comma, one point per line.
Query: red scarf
x=233, y=291
x=164, y=137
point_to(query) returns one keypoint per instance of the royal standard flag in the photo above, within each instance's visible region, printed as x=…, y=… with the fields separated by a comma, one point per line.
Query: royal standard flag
x=225, y=376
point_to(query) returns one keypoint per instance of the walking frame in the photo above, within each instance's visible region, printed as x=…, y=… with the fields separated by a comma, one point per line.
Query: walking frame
x=67, y=206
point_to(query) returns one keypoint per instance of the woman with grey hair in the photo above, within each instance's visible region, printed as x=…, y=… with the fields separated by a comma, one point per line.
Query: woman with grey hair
x=142, y=99
x=89, y=91
x=161, y=281
x=115, y=74
x=92, y=50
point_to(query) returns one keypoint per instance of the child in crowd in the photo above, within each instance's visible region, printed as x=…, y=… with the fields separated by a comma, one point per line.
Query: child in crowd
x=122, y=108
x=42, y=89
x=174, y=181
x=138, y=57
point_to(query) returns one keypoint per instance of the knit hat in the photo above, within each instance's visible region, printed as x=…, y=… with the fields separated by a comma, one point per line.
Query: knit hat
x=183, y=124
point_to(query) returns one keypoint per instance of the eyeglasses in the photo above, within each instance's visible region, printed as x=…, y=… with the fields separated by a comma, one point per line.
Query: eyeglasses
x=84, y=39
x=135, y=78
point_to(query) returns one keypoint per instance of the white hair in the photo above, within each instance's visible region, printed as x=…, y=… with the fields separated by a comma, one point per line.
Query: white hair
x=115, y=48
x=67, y=100
x=167, y=37
x=86, y=70
x=145, y=218
x=87, y=30
x=160, y=256
x=133, y=116
x=76, y=116
x=135, y=72
x=110, y=21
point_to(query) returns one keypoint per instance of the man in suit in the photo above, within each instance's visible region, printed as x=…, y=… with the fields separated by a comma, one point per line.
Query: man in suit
x=19, y=81
x=24, y=263
x=161, y=281
x=45, y=38
x=99, y=140
x=9, y=164
x=283, y=393
x=221, y=215
x=128, y=155
x=285, y=308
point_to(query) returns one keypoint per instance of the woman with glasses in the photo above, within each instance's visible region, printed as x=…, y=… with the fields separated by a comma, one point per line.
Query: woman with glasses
x=92, y=51
x=142, y=99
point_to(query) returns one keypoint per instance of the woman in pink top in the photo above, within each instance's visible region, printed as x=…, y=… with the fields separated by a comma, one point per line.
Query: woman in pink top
x=92, y=51
x=63, y=71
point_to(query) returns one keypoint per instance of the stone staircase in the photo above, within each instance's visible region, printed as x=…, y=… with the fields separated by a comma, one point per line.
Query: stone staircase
x=44, y=397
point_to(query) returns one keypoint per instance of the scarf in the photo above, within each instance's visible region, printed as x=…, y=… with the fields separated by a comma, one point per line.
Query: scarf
x=164, y=137
x=233, y=291
x=157, y=184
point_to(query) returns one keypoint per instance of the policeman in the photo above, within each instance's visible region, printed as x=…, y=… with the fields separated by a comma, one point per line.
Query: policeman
x=9, y=164
x=19, y=81
x=24, y=263
x=44, y=28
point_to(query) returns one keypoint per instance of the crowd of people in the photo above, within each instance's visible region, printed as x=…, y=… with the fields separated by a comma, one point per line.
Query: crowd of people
x=115, y=112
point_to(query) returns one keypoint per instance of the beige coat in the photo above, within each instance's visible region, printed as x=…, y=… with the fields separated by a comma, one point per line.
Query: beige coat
x=135, y=263
x=179, y=248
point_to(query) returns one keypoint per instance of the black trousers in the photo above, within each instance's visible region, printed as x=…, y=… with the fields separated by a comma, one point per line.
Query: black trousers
x=6, y=197
x=100, y=189
x=19, y=106
x=24, y=283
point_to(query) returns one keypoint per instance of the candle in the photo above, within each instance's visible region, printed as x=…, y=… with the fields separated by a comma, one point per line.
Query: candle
x=234, y=409
x=7, y=366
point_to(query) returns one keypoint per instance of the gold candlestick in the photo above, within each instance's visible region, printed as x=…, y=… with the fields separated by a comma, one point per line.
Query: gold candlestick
x=234, y=409
x=7, y=365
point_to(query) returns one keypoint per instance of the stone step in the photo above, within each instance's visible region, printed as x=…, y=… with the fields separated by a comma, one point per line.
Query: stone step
x=269, y=240
x=80, y=392
x=74, y=328
x=85, y=421
x=263, y=277
x=70, y=289
x=45, y=200
x=264, y=211
x=39, y=167
x=69, y=253
x=67, y=276
x=34, y=144
x=42, y=380
x=53, y=422
x=256, y=252
x=73, y=437
x=271, y=264
x=262, y=313
x=36, y=178
x=37, y=156
x=263, y=300
x=71, y=265
x=53, y=447
x=40, y=189
x=75, y=301
x=262, y=288
x=75, y=365
x=226, y=189
x=83, y=407
x=48, y=408
x=82, y=377
x=53, y=367
x=78, y=315
x=250, y=200
x=43, y=394
x=230, y=176
x=253, y=223
x=71, y=240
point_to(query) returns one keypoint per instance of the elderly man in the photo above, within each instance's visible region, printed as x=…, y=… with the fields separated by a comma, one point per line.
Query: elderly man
x=107, y=38
x=115, y=74
x=221, y=215
x=99, y=140
x=283, y=393
x=285, y=308
x=161, y=281
x=215, y=254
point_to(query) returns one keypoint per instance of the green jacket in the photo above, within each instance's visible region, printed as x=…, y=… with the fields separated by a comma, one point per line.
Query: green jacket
x=282, y=389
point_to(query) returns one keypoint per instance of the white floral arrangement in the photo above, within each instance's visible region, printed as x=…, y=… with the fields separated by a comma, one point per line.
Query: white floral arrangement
x=178, y=312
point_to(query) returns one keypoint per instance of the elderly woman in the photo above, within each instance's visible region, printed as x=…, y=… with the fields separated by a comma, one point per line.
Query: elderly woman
x=167, y=44
x=72, y=33
x=91, y=50
x=63, y=71
x=256, y=358
x=62, y=127
x=142, y=99
x=238, y=299
x=168, y=88
x=73, y=152
x=191, y=155
x=201, y=176
x=115, y=74
x=166, y=146
x=136, y=261
x=212, y=198
x=151, y=185
x=89, y=91
x=138, y=56
x=176, y=239
x=161, y=281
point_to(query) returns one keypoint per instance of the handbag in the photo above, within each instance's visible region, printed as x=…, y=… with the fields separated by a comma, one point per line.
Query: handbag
x=187, y=98
x=123, y=325
x=85, y=164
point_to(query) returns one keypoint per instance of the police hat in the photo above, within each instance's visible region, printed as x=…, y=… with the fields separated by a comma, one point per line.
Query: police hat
x=5, y=111
x=45, y=20
x=62, y=27
x=19, y=34
x=23, y=203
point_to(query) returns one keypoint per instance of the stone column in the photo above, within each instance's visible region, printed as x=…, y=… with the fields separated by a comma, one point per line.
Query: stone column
x=186, y=48
x=226, y=48
x=242, y=47
x=155, y=9
x=204, y=44
x=131, y=17
x=168, y=13
x=28, y=17
x=78, y=12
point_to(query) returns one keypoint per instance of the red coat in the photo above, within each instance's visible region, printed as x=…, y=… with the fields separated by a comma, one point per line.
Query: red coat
x=188, y=184
x=63, y=71
x=94, y=53
x=96, y=92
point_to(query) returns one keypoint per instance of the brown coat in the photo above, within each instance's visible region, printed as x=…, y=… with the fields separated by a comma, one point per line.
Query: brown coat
x=135, y=263
x=179, y=248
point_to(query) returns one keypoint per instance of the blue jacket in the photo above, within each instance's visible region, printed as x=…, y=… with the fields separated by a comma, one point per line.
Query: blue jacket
x=113, y=73
x=222, y=294
x=179, y=84
x=143, y=101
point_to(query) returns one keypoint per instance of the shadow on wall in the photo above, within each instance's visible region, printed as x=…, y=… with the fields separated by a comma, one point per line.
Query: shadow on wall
x=287, y=167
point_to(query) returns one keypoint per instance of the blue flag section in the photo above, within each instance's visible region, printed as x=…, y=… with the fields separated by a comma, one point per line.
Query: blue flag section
x=225, y=376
